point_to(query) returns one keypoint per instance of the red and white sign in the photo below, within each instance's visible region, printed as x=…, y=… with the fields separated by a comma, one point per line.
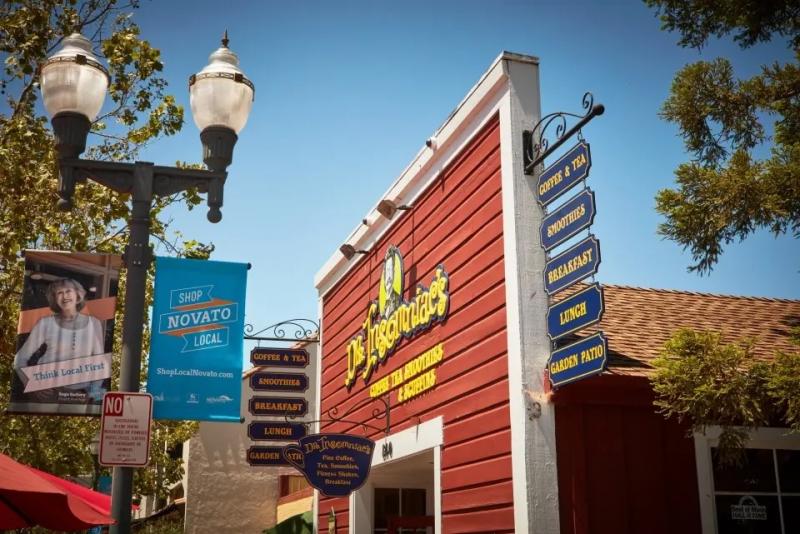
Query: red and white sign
x=125, y=429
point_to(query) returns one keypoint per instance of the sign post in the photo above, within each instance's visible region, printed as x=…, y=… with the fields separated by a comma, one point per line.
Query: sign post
x=125, y=429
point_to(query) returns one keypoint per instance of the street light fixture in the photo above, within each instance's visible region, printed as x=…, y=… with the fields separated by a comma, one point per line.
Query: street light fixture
x=74, y=84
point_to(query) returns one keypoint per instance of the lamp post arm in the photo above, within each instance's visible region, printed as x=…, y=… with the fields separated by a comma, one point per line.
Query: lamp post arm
x=120, y=177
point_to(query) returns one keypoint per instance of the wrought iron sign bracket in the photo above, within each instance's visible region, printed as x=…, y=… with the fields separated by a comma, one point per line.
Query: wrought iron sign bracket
x=305, y=330
x=536, y=150
x=379, y=412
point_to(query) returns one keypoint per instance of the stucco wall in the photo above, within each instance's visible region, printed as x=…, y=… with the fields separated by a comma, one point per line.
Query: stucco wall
x=223, y=492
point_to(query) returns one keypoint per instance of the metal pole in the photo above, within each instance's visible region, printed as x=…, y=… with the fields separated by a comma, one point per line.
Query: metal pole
x=137, y=260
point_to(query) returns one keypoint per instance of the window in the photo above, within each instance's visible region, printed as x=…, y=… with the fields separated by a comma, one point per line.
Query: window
x=759, y=496
x=292, y=483
x=397, y=502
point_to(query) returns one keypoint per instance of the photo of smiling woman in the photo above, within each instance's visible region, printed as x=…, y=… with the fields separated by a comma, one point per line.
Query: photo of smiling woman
x=63, y=363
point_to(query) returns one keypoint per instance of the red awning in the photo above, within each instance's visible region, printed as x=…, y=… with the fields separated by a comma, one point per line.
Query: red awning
x=31, y=497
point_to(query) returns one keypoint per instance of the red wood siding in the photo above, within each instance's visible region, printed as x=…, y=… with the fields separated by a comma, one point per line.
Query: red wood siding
x=622, y=468
x=457, y=222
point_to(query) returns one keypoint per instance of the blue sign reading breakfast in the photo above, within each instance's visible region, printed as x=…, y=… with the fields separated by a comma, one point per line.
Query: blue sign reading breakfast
x=573, y=313
x=195, y=368
x=335, y=464
x=573, y=216
x=585, y=358
x=572, y=266
x=291, y=406
x=562, y=175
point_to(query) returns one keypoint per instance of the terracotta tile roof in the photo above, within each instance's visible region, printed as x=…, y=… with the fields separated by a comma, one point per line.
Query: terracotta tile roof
x=638, y=321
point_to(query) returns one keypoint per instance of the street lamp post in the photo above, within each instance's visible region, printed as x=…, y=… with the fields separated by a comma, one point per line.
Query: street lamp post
x=94, y=450
x=74, y=84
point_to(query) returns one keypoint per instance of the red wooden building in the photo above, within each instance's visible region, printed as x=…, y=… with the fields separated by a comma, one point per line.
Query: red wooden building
x=439, y=309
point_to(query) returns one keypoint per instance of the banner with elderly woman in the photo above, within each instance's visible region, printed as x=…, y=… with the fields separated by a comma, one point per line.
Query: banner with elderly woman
x=196, y=341
x=65, y=333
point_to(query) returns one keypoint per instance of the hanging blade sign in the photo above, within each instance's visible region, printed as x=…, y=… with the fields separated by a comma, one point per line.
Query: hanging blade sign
x=571, y=266
x=564, y=174
x=570, y=218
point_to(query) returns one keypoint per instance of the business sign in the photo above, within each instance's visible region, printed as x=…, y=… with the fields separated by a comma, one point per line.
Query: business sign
x=573, y=313
x=579, y=360
x=64, y=348
x=195, y=369
x=574, y=265
x=573, y=216
x=275, y=431
x=564, y=174
x=291, y=406
x=266, y=381
x=391, y=318
x=335, y=464
x=279, y=357
x=125, y=429
x=269, y=456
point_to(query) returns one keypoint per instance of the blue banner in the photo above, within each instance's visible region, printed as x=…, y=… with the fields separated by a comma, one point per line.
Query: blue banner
x=570, y=218
x=573, y=313
x=335, y=464
x=195, y=367
x=574, y=265
x=562, y=175
x=587, y=357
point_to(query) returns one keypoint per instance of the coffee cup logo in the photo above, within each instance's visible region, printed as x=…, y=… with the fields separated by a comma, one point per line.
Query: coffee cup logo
x=335, y=464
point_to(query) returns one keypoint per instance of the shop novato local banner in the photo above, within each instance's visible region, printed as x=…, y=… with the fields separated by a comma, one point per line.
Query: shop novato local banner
x=195, y=367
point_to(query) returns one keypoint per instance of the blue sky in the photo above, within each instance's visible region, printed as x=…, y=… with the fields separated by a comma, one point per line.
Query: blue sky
x=347, y=92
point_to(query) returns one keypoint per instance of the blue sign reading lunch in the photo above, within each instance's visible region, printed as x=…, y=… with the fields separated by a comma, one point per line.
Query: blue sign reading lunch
x=195, y=369
x=562, y=175
x=569, y=219
x=335, y=464
x=585, y=358
x=275, y=431
x=574, y=265
x=573, y=313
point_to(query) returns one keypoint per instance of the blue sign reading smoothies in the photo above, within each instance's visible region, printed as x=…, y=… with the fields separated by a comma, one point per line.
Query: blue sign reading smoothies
x=195, y=370
x=562, y=175
x=574, y=265
x=575, y=215
x=573, y=313
x=583, y=359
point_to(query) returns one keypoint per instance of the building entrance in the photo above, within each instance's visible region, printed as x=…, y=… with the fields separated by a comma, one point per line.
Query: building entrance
x=399, y=497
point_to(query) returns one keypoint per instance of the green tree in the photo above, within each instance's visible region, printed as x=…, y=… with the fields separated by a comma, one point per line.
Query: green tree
x=140, y=111
x=705, y=382
x=725, y=193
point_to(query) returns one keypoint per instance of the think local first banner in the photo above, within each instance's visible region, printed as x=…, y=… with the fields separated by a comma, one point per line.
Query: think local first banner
x=195, y=369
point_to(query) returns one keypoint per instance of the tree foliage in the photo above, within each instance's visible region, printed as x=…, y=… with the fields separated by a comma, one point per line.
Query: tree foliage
x=726, y=192
x=705, y=382
x=139, y=111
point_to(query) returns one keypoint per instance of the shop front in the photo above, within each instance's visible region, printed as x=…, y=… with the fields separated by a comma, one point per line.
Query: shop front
x=434, y=345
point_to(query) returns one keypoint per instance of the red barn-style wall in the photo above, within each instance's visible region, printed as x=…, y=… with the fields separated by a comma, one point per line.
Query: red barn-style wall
x=622, y=467
x=456, y=222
